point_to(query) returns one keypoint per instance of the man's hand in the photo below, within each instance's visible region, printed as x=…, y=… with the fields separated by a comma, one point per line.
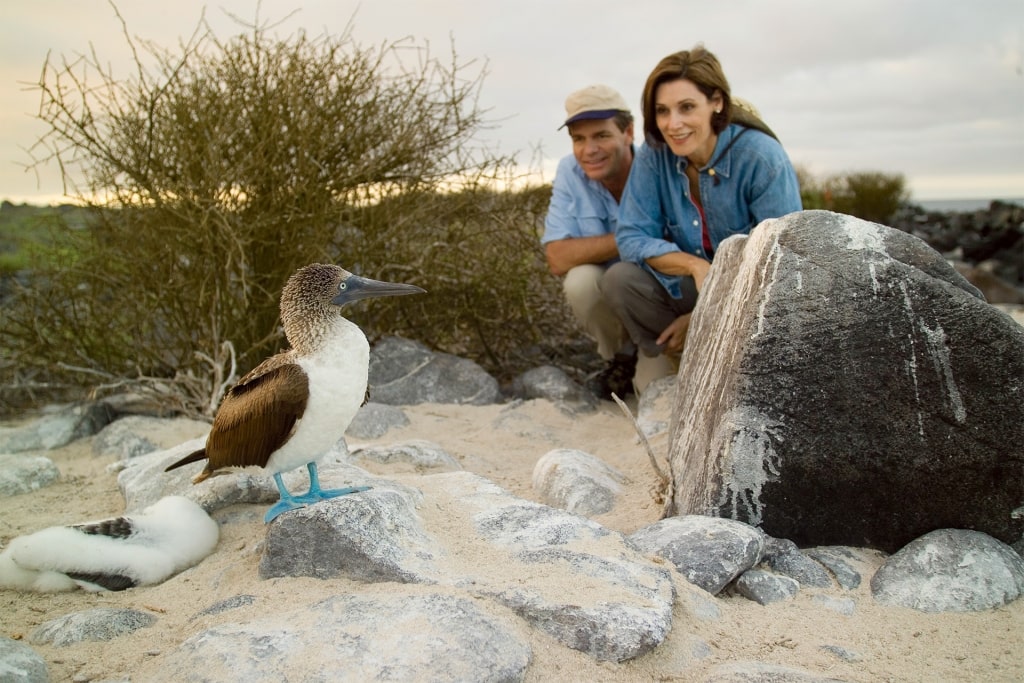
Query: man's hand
x=566, y=254
x=674, y=336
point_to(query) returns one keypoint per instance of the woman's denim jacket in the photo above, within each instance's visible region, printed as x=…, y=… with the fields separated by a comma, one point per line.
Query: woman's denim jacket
x=753, y=180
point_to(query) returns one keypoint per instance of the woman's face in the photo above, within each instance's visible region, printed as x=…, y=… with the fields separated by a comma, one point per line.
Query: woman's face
x=683, y=115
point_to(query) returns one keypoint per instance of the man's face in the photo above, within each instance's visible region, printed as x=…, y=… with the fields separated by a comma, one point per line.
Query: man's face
x=601, y=149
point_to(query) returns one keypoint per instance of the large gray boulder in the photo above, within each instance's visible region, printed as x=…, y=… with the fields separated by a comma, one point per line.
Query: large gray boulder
x=842, y=384
x=555, y=385
x=575, y=580
x=405, y=372
x=396, y=637
x=58, y=427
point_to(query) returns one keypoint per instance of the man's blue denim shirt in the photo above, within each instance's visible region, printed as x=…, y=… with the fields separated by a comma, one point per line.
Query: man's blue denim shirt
x=580, y=207
x=752, y=181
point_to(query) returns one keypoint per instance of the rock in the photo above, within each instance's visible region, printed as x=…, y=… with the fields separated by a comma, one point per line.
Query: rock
x=59, y=428
x=579, y=583
x=134, y=435
x=121, y=438
x=433, y=553
x=25, y=473
x=609, y=603
x=416, y=455
x=837, y=559
x=555, y=385
x=143, y=481
x=404, y=372
x=832, y=362
x=654, y=406
x=353, y=536
x=19, y=663
x=709, y=551
x=990, y=238
x=783, y=557
x=950, y=570
x=576, y=481
x=400, y=636
x=375, y=419
x=101, y=623
x=764, y=587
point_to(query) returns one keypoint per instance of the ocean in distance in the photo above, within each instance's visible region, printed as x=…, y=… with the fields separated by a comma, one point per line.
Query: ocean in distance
x=952, y=205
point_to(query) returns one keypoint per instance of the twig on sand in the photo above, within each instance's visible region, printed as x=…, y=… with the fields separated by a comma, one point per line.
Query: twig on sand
x=664, y=482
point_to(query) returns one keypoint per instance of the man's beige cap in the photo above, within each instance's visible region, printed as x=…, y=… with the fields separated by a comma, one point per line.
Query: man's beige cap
x=593, y=102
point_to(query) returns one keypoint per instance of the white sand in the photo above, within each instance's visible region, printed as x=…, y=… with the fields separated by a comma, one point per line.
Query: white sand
x=893, y=644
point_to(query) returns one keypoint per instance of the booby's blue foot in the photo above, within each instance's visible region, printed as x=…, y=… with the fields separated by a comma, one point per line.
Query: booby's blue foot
x=282, y=506
x=287, y=502
x=316, y=494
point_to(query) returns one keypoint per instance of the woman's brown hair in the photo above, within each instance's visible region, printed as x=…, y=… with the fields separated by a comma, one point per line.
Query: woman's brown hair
x=697, y=66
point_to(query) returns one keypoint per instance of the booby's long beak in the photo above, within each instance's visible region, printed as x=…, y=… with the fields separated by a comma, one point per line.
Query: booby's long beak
x=355, y=288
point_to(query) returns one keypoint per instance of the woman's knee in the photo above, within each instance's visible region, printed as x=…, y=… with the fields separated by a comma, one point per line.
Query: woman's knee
x=618, y=283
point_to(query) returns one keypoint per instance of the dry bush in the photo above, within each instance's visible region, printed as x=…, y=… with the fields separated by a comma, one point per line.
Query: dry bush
x=212, y=173
x=489, y=296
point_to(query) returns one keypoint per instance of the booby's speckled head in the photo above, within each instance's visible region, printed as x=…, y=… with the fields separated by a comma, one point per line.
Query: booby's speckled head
x=315, y=292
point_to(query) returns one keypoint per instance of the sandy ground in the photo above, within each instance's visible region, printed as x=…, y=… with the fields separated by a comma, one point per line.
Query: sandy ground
x=890, y=644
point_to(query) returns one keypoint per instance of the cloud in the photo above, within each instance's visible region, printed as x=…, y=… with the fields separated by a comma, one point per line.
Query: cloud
x=931, y=90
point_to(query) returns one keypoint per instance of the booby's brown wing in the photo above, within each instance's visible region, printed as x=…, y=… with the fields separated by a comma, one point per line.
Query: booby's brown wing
x=258, y=415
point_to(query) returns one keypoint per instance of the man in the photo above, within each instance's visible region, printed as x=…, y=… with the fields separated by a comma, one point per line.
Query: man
x=579, y=230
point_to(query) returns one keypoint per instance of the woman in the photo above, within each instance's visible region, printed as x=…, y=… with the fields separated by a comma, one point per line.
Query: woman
x=709, y=170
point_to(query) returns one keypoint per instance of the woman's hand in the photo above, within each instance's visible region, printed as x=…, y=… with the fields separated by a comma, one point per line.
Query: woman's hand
x=674, y=336
x=700, y=271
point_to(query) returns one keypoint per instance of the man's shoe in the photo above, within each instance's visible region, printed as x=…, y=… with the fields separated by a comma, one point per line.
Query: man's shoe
x=617, y=377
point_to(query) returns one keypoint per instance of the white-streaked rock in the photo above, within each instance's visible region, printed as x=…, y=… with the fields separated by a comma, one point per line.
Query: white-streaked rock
x=842, y=384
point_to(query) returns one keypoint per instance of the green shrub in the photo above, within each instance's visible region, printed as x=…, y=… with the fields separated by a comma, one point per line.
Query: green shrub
x=871, y=195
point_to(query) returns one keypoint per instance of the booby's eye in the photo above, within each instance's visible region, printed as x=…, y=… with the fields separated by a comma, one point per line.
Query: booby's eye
x=343, y=286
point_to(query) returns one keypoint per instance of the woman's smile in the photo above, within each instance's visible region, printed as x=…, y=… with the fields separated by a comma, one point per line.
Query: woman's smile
x=684, y=119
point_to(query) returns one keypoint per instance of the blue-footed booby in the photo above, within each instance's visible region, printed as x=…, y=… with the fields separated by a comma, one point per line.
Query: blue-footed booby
x=296, y=405
x=112, y=554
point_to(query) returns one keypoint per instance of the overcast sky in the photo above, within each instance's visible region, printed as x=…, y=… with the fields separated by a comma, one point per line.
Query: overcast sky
x=932, y=89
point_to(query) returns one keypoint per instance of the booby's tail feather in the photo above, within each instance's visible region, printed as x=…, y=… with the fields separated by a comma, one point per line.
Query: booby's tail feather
x=194, y=456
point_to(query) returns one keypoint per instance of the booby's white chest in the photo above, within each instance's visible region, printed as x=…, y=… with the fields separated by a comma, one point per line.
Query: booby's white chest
x=337, y=386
